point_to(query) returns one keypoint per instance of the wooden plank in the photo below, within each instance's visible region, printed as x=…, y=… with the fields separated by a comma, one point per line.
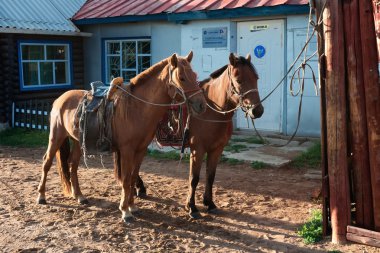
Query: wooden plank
x=363, y=240
x=363, y=232
x=372, y=95
x=357, y=112
x=336, y=120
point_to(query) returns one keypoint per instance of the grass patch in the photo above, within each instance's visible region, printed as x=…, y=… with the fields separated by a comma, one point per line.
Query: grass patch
x=231, y=161
x=311, y=231
x=171, y=155
x=251, y=140
x=309, y=158
x=21, y=137
x=235, y=148
x=258, y=165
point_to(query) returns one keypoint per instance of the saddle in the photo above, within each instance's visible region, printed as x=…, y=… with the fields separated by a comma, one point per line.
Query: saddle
x=94, y=117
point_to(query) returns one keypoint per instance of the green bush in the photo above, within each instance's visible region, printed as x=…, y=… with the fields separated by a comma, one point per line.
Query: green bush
x=311, y=231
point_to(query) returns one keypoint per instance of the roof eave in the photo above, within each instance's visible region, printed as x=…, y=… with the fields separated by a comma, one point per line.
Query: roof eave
x=199, y=15
x=44, y=32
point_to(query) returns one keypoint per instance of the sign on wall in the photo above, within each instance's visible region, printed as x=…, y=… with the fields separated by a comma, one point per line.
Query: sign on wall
x=214, y=37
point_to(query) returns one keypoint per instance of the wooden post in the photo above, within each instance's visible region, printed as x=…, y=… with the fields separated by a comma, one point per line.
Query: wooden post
x=336, y=120
x=357, y=111
x=372, y=100
x=322, y=85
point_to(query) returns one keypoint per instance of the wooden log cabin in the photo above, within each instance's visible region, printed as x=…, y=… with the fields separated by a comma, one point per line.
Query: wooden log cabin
x=41, y=54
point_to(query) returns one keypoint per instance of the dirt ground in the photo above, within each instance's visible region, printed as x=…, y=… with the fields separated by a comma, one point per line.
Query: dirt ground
x=260, y=210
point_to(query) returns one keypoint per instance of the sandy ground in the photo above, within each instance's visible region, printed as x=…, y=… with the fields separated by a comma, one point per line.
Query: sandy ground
x=260, y=210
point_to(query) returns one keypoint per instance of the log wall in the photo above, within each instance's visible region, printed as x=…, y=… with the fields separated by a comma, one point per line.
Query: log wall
x=9, y=74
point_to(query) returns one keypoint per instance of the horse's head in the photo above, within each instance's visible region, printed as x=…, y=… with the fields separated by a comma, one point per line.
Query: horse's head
x=244, y=85
x=183, y=79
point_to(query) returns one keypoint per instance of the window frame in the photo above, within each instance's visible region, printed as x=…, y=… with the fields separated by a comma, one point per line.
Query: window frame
x=105, y=55
x=45, y=43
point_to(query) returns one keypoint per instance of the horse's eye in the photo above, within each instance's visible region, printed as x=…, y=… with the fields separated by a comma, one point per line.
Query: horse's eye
x=181, y=79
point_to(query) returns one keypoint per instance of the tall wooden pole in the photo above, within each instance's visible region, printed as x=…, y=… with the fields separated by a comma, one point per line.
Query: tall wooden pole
x=322, y=85
x=372, y=100
x=336, y=120
x=357, y=113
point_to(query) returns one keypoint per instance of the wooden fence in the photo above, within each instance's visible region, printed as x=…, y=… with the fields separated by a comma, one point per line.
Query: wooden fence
x=32, y=114
x=350, y=121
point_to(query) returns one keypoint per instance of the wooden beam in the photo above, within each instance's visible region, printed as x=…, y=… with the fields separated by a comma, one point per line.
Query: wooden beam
x=357, y=112
x=372, y=100
x=363, y=236
x=336, y=120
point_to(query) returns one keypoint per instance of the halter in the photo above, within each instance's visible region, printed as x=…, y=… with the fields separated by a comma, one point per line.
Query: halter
x=232, y=91
x=181, y=91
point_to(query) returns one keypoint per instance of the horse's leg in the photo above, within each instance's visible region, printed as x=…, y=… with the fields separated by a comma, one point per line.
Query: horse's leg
x=126, y=168
x=212, y=162
x=55, y=141
x=135, y=175
x=140, y=188
x=74, y=159
x=195, y=167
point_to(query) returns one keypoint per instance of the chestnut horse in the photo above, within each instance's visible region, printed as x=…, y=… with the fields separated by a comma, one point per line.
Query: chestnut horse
x=227, y=89
x=137, y=110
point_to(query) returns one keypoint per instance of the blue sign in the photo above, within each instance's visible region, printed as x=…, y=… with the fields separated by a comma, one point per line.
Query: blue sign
x=259, y=51
x=214, y=37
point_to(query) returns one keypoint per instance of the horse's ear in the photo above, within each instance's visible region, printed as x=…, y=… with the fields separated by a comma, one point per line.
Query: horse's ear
x=232, y=59
x=173, y=60
x=189, y=57
x=248, y=57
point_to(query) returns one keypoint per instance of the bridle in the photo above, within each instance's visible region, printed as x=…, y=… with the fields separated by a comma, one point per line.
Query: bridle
x=181, y=91
x=232, y=91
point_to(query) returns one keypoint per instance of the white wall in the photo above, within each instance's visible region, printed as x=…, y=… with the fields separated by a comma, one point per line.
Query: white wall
x=168, y=38
x=206, y=60
x=162, y=37
x=310, y=116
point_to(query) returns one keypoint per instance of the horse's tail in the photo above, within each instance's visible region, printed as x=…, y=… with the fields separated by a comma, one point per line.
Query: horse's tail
x=62, y=157
x=117, y=165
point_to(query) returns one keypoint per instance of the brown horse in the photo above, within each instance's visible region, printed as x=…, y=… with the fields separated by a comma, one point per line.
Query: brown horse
x=230, y=87
x=137, y=110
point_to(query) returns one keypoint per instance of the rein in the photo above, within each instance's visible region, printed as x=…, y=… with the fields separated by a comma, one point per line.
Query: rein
x=179, y=91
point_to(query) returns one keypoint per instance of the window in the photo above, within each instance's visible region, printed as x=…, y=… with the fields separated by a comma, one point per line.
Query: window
x=126, y=58
x=44, y=65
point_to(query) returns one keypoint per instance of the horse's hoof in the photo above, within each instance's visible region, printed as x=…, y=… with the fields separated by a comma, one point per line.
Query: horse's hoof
x=41, y=201
x=141, y=194
x=195, y=215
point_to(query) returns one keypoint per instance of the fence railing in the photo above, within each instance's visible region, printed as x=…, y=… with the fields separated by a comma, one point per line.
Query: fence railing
x=33, y=114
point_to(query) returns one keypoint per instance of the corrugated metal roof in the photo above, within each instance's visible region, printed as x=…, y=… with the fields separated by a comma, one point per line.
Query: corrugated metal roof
x=47, y=15
x=118, y=8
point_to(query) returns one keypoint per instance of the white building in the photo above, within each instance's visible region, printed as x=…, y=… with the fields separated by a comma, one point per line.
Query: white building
x=129, y=37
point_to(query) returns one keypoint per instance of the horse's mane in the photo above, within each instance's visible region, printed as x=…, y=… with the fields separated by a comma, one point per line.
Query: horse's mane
x=149, y=72
x=218, y=72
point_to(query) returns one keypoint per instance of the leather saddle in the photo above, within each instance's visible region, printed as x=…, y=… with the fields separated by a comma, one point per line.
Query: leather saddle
x=95, y=113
